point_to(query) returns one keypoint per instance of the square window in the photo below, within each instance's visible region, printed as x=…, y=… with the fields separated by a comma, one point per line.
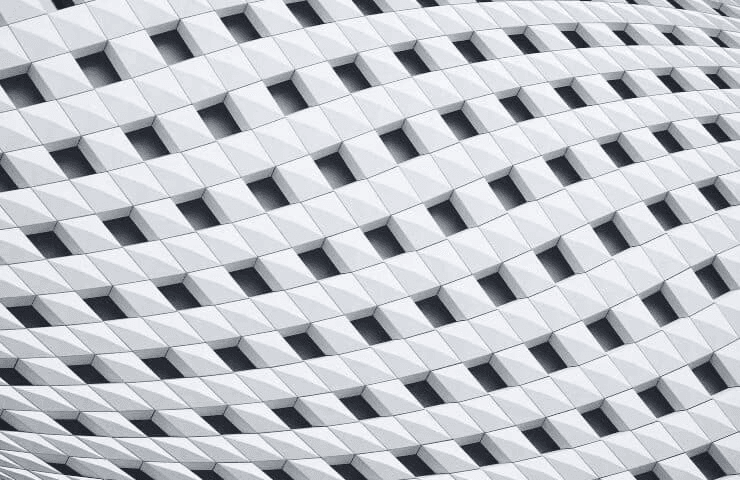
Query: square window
x=710, y=378
x=625, y=37
x=125, y=231
x=618, y=154
x=172, y=47
x=22, y=91
x=6, y=183
x=198, y=214
x=541, y=440
x=346, y=470
x=714, y=197
x=447, y=218
x=660, y=309
x=717, y=132
x=605, y=334
x=49, y=244
x=75, y=427
x=371, y=330
x=479, y=454
x=335, y=170
x=435, y=311
x=292, y=417
x=63, y=468
x=611, y=237
x=415, y=465
x=488, y=377
x=673, y=38
x=29, y=316
x=384, y=242
x=359, y=407
x=507, y=192
x=600, y=422
x=412, y=61
x=497, y=289
x=162, y=368
x=460, y=125
x=240, y=28
x=251, y=282
x=60, y=4
x=622, y=89
x=268, y=194
x=105, y=308
x=219, y=121
x=149, y=428
x=555, y=264
x=221, y=424
x=88, y=374
x=11, y=376
x=425, y=394
x=98, y=69
x=468, y=50
x=319, y=263
x=712, y=281
x=305, y=14
x=656, y=402
x=235, y=358
x=576, y=39
x=708, y=466
x=717, y=80
x=304, y=346
x=570, y=97
x=147, y=143
x=548, y=357
x=72, y=162
x=367, y=7
x=179, y=296
x=664, y=215
x=352, y=77
x=524, y=43
x=564, y=171
x=399, y=145
x=671, y=83
x=668, y=141
x=287, y=96
x=516, y=108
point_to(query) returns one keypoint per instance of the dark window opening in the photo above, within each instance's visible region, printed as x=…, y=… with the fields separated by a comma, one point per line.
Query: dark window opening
x=371, y=330
x=516, y=108
x=399, y=145
x=221, y=424
x=137, y=474
x=335, y=170
x=507, y=192
x=412, y=61
x=49, y=244
x=673, y=38
x=352, y=77
x=162, y=368
x=524, y=43
x=359, y=407
x=125, y=231
x=279, y=474
x=712, y=281
x=716, y=132
x=660, y=309
x=555, y=264
x=305, y=14
x=198, y=214
x=600, y=422
x=428, y=3
x=5, y=426
x=710, y=378
x=219, y=121
x=460, y=125
x=435, y=311
x=268, y=194
x=292, y=417
x=22, y=91
x=179, y=296
x=367, y=7
x=287, y=96
x=664, y=215
x=717, y=80
x=172, y=47
x=447, y=218
x=497, y=289
x=415, y=465
x=88, y=374
x=541, y=440
x=548, y=357
x=6, y=183
x=479, y=454
x=75, y=427
x=714, y=197
x=240, y=28
x=656, y=402
x=618, y=154
x=622, y=89
x=29, y=316
x=611, y=237
x=60, y=4
x=468, y=50
x=251, y=282
x=488, y=377
x=570, y=97
x=719, y=42
x=708, y=466
x=304, y=346
x=207, y=474
x=668, y=141
x=149, y=428
x=605, y=334
x=346, y=470
x=425, y=394
x=235, y=358
x=671, y=83
x=63, y=468
x=147, y=143
x=11, y=376
x=98, y=69
x=319, y=264
x=576, y=39
x=384, y=242
x=625, y=37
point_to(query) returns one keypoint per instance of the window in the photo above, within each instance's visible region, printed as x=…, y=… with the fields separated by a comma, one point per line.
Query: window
x=600, y=422
x=359, y=407
x=240, y=28
x=435, y=311
x=668, y=141
x=6, y=183
x=172, y=47
x=671, y=83
x=179, y=296
x=305, y=14
x=304, y=346
x=618, y=154
x=221, y=424
x=75, y=427
x=415, y=465
x=412, y=61
x=399, y=145
x=287, y=96
x=548, y=357
x=162, y=368
x=88, y=374
x=371, y=330
x=468, y=50
x=555, y=264
x=660, y=309
x=487, y=376
x=352, y=77
x=219, y=121
x=346, y=470
x=516, y=108
x=235, y=358
x=541, y=440
x=277, y=474
x=497, y=289
x=29, y=316
x=335, y=170
x=605, y=334
x=625, y=37
x=147, y=143
x=717, y=80
x=710, y=378
x=714, y=197
x=384, y=242
x=319, y=263
x=63, y=468
x=98, y=69
x=611, y=237
x=11, y=376
x=6, y=427
x=570, y=96
x=198, y=214
x=447, y=218
x=251, y=282
x=664, y=215
x=708, y=466
x=717, y=132
x=524, y=43
x=479, y=454
x=105, y=308
x=425, y=394
x=367, y=7
x=719, y=42
x=507, y=192
x=22, y=91
x=137, y=474
x=673, y=38
x=460, y=125
x=622, y=89
x=656, y=402
x=576, y=39
x=428, y=3
x=125, y=231
x=207, y=475
x=712, y=281
x=149, y=428
x=60, y=4
x=49, y=244
x=292, y=417
x=268, y=194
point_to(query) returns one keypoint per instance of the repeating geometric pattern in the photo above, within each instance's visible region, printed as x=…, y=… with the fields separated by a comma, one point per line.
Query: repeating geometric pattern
x=369, y=239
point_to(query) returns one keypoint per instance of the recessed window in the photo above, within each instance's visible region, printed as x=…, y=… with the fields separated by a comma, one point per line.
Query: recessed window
x=147, y=143
x=516, y=108
x=279, y=474
x=425, y=394
x=198, y=214
x=60, y=4
x=251, y=282
x=63, y=468
x=555, y=264
x=49, y=244
x=507, y=192
x=235, y=358
x=611, y=237
x=75, y=427
x=29, y=316
x=149, y=428
x=664, y=215
x=207, y=475
x=319, y=263
x=468, y=50
x=105, y=308
x=172, y=47
x=6, y=183
x=656, y=402
x=671, y=83
x=710, y=378
x=305, y=14
x=412, y=61
x=98, y=69
x=268, y=194
x=352, y=77
x=497, y=289
x=162, y=368
x=524, y=43
x=660, y=309
x=371, y=330
x=720, y=12
x=179, y=296
x=460, y=125
x=548, y=357
x=717, y=80
x=346, y=470
x=11, y=376
x=399, y=145
x=359, y=407
x=221, y=424
x=88, y=374
x=668, y=141
x=719, y=42
x=5, y=426
x=576, y=39
x=622, y=89
x=600, y=422
x=219, y=121
x=488, y=377
x=570, y=97
x=712, y=281
x=564, y=171
x=125, y=231
x=717, y=132
x=618, y=154
x=673, y=38
x=428, y=3
x=22, y=91
x=708, y=466
x=137, y=474
x=605, y=334
x=479, y=454
x=714, y=197
x=415, y=465
x=367, y=7
x=625, y=37
x=287, y=96
x=447, y=218
x=384, y=242
x=240, y=28
x=335, y=170
x=292, y=417
x=435, y=311
x=541, y=440
x=304, y=346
